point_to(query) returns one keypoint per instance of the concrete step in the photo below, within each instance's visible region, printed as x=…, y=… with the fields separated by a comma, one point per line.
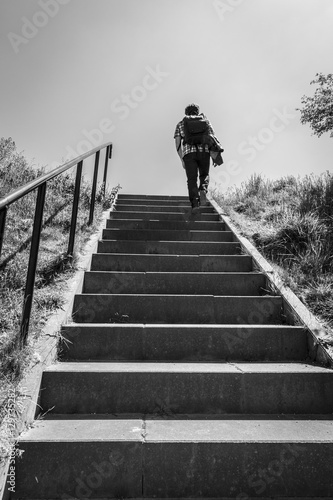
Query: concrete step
x=180, y=378
x=171, y=263
x=183, y=342
x=173, y=225
x=185, y=209
x=153, y=202
x=166, y=216
x=177, y=309
x=285, y=457
x=157, y=197
x=186, y=388
x=166, y=235
x=206, y=283
x=197, y=248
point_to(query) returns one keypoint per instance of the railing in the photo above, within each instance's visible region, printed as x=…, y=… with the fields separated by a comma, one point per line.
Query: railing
x=40, y=184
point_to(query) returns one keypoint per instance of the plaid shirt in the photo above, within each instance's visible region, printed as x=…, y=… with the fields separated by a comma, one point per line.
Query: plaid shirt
x=186, y=148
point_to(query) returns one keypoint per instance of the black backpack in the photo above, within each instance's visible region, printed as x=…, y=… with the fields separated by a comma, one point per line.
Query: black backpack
x=195, y=129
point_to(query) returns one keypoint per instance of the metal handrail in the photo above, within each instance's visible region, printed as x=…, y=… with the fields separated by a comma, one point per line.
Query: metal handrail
x=30, y=186
x=40, y=184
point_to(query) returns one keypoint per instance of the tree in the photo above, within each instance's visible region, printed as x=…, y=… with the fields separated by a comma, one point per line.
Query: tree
x=318, y=109
x=7, y=148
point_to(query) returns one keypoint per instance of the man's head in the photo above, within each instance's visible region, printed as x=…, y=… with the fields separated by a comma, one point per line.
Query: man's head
x=192, y=109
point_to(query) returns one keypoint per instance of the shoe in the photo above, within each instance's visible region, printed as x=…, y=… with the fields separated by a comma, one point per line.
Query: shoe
x=203, y=198
x=195, y=207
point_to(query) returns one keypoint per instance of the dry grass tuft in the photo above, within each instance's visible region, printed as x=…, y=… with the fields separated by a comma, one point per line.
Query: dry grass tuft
x=290, y=220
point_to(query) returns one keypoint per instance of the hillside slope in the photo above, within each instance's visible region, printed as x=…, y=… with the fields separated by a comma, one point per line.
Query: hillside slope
x=290, y=220
x=53, y=270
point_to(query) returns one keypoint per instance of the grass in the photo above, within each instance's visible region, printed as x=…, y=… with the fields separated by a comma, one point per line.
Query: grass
x=290, y=221
x=53, y=269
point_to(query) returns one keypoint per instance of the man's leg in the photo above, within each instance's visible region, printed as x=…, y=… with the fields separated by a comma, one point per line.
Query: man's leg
x=191, y=167
x=203, y=165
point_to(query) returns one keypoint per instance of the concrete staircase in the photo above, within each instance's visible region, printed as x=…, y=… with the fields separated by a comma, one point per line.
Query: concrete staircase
x=180, y=377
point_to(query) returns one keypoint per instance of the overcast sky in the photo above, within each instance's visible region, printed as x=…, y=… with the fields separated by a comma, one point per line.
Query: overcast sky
x=80, y=72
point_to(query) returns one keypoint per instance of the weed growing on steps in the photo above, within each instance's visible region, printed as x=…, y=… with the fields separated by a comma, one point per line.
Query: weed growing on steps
x=290, y=220
x=54, y=267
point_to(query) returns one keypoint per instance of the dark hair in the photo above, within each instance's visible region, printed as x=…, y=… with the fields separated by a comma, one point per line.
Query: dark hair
x=192, y=109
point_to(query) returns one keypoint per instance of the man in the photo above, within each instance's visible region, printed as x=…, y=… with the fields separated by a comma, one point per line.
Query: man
x=194, y=155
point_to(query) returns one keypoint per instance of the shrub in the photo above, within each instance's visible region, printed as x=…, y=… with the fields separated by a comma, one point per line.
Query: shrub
x=52, y=261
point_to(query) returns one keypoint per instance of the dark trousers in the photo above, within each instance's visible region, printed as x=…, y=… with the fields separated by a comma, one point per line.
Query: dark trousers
x=196, y=163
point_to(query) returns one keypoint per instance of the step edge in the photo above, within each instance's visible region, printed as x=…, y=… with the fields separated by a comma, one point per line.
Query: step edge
x=295, y=308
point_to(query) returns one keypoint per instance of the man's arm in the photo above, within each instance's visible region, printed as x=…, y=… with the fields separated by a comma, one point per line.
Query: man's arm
x=178, y=144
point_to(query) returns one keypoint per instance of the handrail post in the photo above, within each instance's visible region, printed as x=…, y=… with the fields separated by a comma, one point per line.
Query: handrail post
x=106, y=168
x=93, y=190
x=75, y=209
x=40, y=183
x=3, y=215
x=30, y=282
